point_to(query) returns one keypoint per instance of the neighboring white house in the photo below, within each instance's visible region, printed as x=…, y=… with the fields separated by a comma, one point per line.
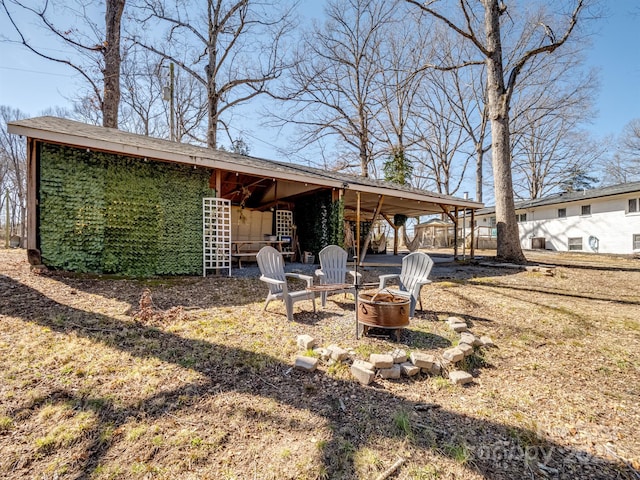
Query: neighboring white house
x=604, y=220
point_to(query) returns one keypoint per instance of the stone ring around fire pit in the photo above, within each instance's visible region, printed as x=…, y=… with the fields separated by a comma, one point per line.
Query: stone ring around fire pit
x=383, y=309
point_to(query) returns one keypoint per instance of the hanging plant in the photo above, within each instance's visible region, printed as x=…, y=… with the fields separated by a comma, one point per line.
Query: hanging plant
x=399, y=219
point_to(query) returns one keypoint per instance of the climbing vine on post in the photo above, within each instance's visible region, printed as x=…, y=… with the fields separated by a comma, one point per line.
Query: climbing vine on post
x=320, y=222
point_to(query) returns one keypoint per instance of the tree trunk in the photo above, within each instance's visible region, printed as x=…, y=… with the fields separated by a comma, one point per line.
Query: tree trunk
x=364, y=161
x=213, y=13
x=509, y=248
x=479, y=164
x=112, y=60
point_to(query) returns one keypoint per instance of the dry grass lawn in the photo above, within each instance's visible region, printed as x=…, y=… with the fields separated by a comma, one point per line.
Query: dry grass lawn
x=202, y=388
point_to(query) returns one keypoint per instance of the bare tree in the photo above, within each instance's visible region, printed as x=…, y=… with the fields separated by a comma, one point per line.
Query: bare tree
x=234, y=49
x=13, y=166
x=335, y=90
x=399, y=97
x=502, y=80
x=551, y=155
x=142, y=109
x=94, y=47
x=442, y=138
x=624, y=166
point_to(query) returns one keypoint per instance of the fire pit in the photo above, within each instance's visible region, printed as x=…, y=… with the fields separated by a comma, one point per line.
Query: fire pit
x=383, y=309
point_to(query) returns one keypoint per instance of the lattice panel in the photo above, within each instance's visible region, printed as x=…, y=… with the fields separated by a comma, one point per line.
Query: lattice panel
x=284, y=221
x=216, y=235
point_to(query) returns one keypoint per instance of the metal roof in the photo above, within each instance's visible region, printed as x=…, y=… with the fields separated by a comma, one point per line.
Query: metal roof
x=592, y=193
x=398, y=198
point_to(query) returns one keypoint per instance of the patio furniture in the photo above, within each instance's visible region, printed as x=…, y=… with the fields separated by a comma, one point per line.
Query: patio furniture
x=271, y=266
x=333, y=270
x=414, y=274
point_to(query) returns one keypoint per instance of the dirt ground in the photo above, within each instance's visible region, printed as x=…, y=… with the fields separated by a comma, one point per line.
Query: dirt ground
x=200, y=384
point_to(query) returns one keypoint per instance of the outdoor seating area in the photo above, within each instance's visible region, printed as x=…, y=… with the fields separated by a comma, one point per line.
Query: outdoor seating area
x=385, y=308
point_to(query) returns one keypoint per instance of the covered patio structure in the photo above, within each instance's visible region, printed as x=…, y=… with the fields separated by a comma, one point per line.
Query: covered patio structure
x=249, y=183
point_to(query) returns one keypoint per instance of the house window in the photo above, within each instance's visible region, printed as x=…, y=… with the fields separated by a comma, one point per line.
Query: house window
x=586, y=210
x=522, y=217
x=633, y=205
x=492, y=222
x=562, y=213
x=575, y=243
x=636, y=241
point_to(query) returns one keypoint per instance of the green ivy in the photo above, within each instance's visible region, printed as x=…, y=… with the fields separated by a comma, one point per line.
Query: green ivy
x=320, y=222
x=105, y=213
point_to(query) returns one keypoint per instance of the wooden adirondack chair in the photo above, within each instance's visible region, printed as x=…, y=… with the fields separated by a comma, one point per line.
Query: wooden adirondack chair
x=414, y=274
x=333, y=270
x=271, y=266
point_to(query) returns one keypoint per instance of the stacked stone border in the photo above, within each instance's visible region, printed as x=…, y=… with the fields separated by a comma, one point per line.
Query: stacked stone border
x=397, y=364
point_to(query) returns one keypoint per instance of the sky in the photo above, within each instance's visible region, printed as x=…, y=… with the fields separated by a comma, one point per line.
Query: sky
x=33, y=85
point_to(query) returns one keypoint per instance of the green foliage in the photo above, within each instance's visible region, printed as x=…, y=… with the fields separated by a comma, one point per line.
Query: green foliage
x=104, y=213
x=399, y=219
x=398, y=168
x=320, y=222
x=403, y=424
x=577, y=179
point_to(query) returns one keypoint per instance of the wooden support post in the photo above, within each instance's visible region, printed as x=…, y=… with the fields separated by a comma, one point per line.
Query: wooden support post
x=367, y=240
x=32, y=194
x=473, y=233
x=357, y=226
x=395, y=239
x=455, y=234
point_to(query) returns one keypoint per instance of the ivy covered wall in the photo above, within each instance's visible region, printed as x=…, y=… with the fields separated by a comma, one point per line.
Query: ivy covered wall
x=105, y=213
x=320, y=222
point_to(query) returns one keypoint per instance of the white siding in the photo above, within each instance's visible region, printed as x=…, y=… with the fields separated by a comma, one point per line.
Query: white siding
x=608, y=229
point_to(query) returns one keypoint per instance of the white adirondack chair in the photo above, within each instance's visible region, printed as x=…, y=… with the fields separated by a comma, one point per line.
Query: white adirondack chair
x=333, y=270
x=414, y=274
x=271, y=266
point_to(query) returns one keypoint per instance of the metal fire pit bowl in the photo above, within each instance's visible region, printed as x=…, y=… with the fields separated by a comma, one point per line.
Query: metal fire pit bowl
x=383, y=309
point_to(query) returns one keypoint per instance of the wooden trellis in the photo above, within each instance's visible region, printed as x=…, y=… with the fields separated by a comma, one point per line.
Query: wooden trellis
x=216, y=235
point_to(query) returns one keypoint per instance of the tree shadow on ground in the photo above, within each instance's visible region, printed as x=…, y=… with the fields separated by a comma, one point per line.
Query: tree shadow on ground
x=582, y=296
x=494, y=450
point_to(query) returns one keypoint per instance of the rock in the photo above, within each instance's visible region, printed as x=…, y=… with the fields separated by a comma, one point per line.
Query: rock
x=453, y=354
x=399, y=355
x=364, y=364
x=306, y=342
x=465, y=348
x=337, y=353
x=381, y=360
x=307, y=364
x=470, y=339
x=363, y=375
x=458, y=377
x=487, y=342
x=323, y=353
x=459, y=327
x=409, y=369
x=393, y=372
x=452, y=320
x=422, y=360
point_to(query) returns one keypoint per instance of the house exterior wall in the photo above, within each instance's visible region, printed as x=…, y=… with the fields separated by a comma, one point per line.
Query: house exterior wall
x=608, y=228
